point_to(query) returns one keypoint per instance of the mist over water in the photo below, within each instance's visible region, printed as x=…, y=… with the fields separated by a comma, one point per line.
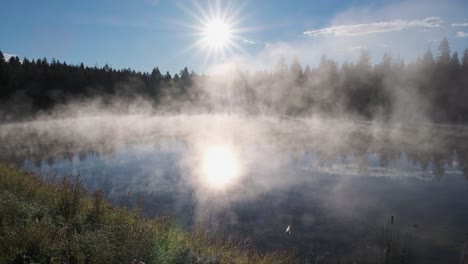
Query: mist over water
x=336, y=182
x=335, y=161
x=335, y=132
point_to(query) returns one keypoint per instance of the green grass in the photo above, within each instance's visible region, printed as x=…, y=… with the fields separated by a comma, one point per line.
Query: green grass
x=57, y=221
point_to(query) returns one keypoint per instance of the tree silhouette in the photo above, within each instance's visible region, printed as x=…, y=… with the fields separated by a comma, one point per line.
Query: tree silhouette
x=431, y=89
x=444, y=52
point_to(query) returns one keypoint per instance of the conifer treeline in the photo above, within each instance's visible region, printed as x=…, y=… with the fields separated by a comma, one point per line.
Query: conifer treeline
x=432, y=87
x=48, y=84
x=428, y=89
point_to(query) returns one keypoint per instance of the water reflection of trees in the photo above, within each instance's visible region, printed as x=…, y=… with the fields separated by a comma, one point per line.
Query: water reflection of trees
x=433, y=151
x=462, y=158
x=39, y=147
x=261, y=221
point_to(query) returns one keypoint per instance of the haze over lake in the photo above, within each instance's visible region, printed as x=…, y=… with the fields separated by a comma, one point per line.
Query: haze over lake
x=337, y=183
x=219, y=131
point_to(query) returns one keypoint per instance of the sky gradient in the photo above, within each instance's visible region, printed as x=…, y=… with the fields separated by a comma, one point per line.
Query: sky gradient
x=143, y=34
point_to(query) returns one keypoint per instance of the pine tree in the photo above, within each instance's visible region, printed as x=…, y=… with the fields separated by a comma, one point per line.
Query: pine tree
x=464, y=60
x=444, y=52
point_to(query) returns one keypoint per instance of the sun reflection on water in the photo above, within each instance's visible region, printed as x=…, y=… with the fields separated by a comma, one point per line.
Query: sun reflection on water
x=219, y=166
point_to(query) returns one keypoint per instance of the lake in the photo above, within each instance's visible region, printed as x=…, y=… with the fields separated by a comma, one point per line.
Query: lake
x=350, y=190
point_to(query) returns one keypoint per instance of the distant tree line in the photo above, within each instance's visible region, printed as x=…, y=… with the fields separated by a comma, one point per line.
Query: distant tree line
x=46, y=84
x=428, y=89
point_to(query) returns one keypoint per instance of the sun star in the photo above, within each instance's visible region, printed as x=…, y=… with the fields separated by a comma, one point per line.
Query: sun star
x=217, y=34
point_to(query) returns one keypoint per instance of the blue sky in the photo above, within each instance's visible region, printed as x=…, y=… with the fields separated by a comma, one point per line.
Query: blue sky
x=142, y=34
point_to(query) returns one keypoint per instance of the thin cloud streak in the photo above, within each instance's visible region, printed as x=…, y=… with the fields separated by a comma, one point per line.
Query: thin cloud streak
x=251, y=42
x=465, y=24
x=376, y=27
x=461, y=34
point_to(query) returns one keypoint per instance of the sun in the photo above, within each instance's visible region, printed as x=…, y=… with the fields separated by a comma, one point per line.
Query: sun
x=217, y=29
x=217, y=34
x=218, y=37
x=219, y=166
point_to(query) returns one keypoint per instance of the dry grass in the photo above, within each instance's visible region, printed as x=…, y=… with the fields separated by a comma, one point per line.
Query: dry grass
x=59, y=222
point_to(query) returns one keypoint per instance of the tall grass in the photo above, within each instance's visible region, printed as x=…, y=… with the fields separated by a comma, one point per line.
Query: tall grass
x=394, y=247
x=59, y=222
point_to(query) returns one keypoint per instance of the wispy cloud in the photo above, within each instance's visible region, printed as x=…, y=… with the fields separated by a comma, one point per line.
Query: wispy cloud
x=464, y=24
x=376, y=27
x=8, y=56
x=247, y=41
x=461, y=34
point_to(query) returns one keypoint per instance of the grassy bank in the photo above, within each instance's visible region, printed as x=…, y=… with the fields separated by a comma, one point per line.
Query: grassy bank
x=59, y=222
